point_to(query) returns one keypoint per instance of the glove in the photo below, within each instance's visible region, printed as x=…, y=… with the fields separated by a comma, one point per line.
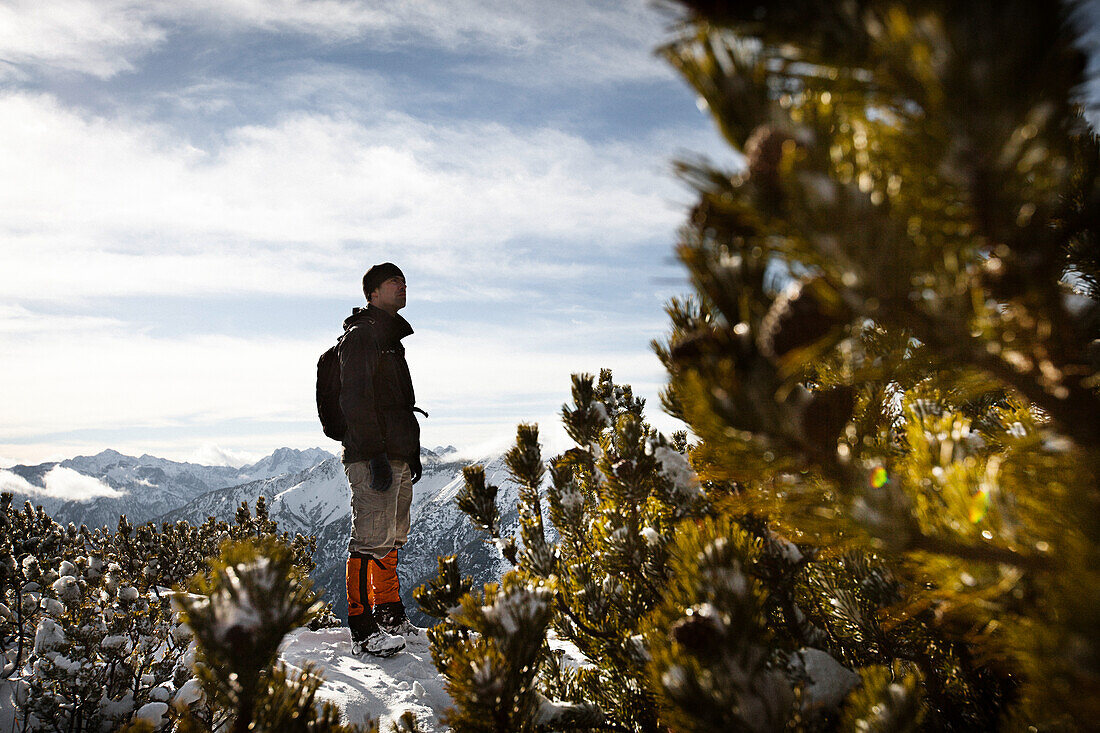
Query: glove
x=381, y=475
x=416, y=468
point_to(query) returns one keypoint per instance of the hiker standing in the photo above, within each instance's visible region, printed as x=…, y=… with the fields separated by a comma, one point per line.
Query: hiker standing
x=381, y=459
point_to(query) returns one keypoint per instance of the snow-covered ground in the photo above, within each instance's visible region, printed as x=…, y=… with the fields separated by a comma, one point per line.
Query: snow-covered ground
x=368, y=687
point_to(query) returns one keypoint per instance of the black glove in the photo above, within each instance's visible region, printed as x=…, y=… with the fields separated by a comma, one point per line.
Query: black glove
x=416, y=468
x=381, y=475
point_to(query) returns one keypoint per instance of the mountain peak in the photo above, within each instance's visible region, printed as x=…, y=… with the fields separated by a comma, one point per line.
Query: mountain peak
x=98, y=463
x=281, y=461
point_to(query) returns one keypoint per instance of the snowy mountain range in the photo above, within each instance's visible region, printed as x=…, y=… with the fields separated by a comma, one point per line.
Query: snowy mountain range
x=305, y=490
x=95, y=490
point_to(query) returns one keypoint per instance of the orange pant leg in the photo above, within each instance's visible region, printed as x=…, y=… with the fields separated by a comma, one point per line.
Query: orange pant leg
x=384, y=585
x=357, y=577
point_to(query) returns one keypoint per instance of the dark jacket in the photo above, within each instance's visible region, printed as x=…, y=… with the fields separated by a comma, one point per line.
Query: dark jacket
x=376, y=392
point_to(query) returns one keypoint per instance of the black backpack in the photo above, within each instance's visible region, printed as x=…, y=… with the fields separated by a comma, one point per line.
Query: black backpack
x=328, y=394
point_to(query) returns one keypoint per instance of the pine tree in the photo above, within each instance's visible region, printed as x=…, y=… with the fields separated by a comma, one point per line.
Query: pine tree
x=891, y=356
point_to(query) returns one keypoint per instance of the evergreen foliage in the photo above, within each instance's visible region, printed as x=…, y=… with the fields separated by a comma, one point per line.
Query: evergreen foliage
x=609, y=501
x=91, y=641
x=892, y=352
x=252, y=597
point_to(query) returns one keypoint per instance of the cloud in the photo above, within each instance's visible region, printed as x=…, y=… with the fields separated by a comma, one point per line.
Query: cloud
x=278, y=179
x=65, y=483
x=213, y=455
x=99, y=206
x=112, y=379
x=60, y=483
x=233, y=391
x=16, y=484
x=15, y=319
x=96, y=37
x=103, y=38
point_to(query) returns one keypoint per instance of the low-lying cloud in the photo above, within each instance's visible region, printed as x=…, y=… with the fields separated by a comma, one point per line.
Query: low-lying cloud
x=60, y=483
x=214, y=455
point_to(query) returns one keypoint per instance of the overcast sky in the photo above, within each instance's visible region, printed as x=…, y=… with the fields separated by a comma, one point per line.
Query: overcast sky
x=191, y=190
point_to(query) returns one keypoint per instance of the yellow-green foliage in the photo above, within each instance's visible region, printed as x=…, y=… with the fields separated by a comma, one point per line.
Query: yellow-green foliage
x=889, y=349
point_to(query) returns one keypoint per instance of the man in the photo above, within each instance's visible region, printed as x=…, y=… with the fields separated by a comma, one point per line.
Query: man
x=381, y=459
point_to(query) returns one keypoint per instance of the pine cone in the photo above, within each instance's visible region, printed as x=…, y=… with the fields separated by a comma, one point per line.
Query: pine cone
x=697, y=634
x=764, y=153
x=798, y=318
x=710, y=343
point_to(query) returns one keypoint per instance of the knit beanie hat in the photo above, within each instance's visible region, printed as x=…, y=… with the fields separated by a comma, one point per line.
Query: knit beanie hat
x=379, y=274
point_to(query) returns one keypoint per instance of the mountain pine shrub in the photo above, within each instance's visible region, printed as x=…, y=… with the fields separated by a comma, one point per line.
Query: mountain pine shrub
x=254, y=595
x=88, y=634
x=688, y=612
x=891, y=353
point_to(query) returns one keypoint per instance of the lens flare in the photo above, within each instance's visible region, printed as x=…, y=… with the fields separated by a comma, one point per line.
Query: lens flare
x=979, y=505
x=879, y=477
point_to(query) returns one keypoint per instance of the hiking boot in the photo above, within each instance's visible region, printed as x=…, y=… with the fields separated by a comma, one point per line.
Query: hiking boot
x=392, y=619
x=367, y=638
x=378, y=644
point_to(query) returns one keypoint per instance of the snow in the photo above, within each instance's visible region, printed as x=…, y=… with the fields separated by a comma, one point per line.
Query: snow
x=234, y=607
x=48, y=636
x=788, y=549
x=368, y=687
x=363, y=687
x=153, y=712
x=67, y=589
x=550, y=710
x=827, y=680
x=190, y=692
x=675, y=466
x=570, y=498
x=513, y=609
x=114, y=641
x=571, y=656
x=601, y=410
x=160, y=694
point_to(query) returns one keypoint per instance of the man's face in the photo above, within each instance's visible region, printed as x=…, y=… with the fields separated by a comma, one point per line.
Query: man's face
x=390, y=295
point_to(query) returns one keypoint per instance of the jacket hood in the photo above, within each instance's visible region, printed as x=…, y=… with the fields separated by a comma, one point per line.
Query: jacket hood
x=394, y=327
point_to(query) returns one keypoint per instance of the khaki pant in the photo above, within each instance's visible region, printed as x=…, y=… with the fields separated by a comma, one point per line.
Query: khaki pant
x=379, y=519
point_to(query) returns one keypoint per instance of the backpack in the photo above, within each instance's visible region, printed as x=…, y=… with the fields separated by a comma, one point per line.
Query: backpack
x=328, y=394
